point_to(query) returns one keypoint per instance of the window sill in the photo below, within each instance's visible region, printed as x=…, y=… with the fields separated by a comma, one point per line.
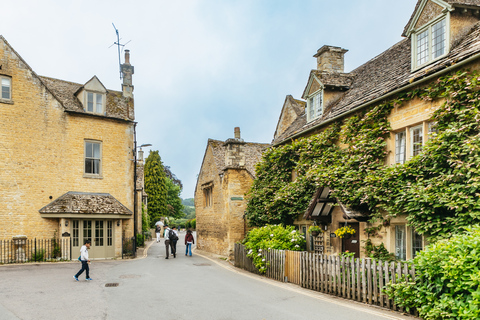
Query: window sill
x=6, y=101
x=92, y=176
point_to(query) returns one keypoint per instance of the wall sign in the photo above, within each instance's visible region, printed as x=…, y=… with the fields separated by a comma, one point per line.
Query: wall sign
x=333, y=235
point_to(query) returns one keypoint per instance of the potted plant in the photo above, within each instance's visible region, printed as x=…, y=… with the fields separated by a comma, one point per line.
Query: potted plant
x=344, y=232
x=315, y=230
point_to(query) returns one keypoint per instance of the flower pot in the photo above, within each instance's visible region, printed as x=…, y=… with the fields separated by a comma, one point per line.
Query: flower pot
x=347, y=236
x=315, y=233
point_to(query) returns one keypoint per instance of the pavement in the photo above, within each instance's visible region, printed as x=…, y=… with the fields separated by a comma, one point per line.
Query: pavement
x=204, y=286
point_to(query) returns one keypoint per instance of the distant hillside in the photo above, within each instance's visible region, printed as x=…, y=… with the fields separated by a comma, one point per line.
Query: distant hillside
x=188, y=202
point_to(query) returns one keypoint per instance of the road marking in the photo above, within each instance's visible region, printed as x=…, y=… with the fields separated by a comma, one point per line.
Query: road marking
x=315, y=295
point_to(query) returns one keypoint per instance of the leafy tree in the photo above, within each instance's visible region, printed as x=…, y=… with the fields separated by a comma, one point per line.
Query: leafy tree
x=173, y=177
x=174, y=202
x=156, y=187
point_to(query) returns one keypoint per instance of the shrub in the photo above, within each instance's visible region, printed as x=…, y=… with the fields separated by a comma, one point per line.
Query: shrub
x=39, y=256
x=271, y=237
x=140, y=240
x=447, y=279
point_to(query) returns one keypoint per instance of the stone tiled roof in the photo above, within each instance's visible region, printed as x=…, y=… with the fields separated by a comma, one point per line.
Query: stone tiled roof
x=339, y=80
x=385, y=73
x=117, y=106
x=454, y=3
x=86, y=203
x=253, y=153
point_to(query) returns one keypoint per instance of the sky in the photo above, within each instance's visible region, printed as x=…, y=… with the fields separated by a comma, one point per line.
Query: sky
x=202, y=67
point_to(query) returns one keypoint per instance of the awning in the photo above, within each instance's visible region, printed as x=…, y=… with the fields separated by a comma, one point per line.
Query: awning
x=86, y=205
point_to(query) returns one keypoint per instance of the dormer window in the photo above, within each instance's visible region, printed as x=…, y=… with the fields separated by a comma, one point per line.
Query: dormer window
x=315, y=105
x=429, y=43
x=95, y=102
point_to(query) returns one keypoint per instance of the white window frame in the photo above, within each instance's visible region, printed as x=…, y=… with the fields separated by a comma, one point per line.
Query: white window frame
x=428, y=27
x=4, y=79
x=400, y=157
x=412, y=136
x=312, y=112
x=92, y=157
x=95, y=105
x=401, y=244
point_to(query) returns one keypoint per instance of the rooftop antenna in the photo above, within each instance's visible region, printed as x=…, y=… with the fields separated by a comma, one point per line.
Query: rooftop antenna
x=119, y=45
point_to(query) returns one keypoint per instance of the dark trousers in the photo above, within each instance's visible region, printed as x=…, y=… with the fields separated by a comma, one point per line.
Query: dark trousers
x=174, y=245
x=168, y=247
x=84, y=268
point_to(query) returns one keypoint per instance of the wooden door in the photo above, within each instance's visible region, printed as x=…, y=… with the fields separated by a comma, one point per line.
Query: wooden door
x=352, y=244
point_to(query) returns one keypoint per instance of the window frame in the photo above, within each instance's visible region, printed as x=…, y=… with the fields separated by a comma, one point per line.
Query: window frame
x=89, y=174
x=95, y=96
x=404, y=147
x=429, y=27
x=208, y=196
x=313, y=113
x=412, y=143
x=9, y=79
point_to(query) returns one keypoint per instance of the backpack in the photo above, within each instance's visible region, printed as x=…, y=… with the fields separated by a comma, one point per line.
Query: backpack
x=172, y=235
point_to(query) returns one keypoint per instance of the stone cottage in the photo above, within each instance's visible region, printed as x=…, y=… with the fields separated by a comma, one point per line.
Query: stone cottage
x=65, y=157
x=226, y=174
x=442, y=36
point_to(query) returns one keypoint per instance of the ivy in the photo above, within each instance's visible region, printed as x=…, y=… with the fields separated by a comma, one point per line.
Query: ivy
x=437, y=191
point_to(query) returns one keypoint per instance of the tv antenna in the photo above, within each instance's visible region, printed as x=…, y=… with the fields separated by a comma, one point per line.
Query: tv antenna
x=118, y=44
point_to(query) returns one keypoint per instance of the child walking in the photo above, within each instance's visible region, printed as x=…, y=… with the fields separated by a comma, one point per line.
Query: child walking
x=84, y=259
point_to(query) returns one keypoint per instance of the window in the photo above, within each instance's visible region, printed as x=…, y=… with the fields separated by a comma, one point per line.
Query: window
x=417, y=243
x=416, y=140
x=99, y=233
x=109, y=233
x=75, y=233
x=6, y=83
x=400, y=147
x=95, y=102
x=432, y=129
x=315, y=105
x=93, y=157
x=429, y=43
x=400, y=242
x=87, y=230
x=208, y=196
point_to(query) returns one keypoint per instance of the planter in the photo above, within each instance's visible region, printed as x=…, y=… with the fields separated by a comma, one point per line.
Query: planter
x=347, y=236
x=315, y=233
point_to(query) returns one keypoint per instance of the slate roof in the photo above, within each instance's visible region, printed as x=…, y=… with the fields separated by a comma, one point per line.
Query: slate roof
x=86, y=203
x=385, y=73
x=253, y=154
x=117, y=106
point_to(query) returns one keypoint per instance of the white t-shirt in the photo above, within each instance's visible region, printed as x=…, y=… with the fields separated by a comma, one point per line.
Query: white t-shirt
x=84, y=253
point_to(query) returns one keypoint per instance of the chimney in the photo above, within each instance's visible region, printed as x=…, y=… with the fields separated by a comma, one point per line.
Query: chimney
x=127, y=72
x=330, y=59
x=237, y=132
x=235, y=152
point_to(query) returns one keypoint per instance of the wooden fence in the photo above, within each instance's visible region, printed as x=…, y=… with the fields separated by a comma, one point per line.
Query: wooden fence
x=356, y=279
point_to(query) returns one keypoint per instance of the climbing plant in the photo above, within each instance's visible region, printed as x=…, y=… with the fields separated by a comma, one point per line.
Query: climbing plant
x=438, y=190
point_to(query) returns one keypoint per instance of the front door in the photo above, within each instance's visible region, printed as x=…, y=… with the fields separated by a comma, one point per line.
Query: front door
x=352, y=244
x=99, y=232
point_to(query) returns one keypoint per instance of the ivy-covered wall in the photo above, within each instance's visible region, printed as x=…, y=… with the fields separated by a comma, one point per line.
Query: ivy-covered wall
x=437, y=190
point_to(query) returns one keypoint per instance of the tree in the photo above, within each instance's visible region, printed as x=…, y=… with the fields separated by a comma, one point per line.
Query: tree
x=174, y=202
x=156, y=187
x=173, y=177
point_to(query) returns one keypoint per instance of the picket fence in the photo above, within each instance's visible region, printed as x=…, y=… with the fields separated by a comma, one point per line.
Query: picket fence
x=361, y=280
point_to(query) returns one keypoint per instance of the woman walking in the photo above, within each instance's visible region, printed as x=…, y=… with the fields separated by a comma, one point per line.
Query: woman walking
x=189, y=240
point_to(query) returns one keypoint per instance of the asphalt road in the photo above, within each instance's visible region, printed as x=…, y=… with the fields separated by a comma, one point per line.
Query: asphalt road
x=198, y=287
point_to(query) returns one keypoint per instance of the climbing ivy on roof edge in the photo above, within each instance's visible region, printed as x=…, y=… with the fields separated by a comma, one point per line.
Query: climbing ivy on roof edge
x=438, y=190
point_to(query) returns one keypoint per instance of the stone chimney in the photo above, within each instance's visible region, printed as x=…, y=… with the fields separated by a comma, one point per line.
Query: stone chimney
x=235, y=151
x=330, y=59
x=127, y=72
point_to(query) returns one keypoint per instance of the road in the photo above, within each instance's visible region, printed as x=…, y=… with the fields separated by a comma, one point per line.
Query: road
x=198, y=287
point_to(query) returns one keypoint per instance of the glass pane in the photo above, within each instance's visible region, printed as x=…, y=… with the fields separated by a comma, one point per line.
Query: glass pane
x=400, y=147
x=88, y=166
x=6, y=88
x=99, y=103
x=400, y=250
x=417, y=140
x=417, y=243
x=96, y=166
x=75, y=233
x=109, y=233
x=96, y=150
x=318, y=105
x=438, y=39
x=422, y=47
x=88, y=149
x=90, y=101
x=311, y=109
x=87, y=230
x=99, y=233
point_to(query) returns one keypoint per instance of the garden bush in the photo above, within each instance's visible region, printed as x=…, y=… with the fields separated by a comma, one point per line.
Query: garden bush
x=268, y=237
x=447, y=279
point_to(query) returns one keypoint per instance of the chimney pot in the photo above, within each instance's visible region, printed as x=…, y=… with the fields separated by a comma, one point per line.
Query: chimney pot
x=237, y=132
x=127, y=56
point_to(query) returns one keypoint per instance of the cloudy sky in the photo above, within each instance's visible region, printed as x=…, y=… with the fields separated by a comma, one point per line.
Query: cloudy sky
x=202, y=67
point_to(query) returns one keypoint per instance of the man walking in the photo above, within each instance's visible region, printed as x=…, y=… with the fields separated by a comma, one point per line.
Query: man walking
x=85, y=261
x=174, y=239
x=168, y=244
x=158, y=230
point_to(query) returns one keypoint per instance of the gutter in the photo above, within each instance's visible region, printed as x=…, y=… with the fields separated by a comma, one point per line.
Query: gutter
x=384, y=97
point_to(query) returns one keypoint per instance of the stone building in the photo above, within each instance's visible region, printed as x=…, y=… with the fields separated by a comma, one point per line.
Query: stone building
x=226, y=174
x=65, y=157
x=441, y=36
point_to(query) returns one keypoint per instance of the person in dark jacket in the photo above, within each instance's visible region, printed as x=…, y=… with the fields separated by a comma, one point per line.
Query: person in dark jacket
x=189, y=240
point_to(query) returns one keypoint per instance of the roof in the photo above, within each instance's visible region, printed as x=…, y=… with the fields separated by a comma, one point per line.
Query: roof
x=117, y=105
x=386, y=73
x=253, y=154
x=86, y=203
